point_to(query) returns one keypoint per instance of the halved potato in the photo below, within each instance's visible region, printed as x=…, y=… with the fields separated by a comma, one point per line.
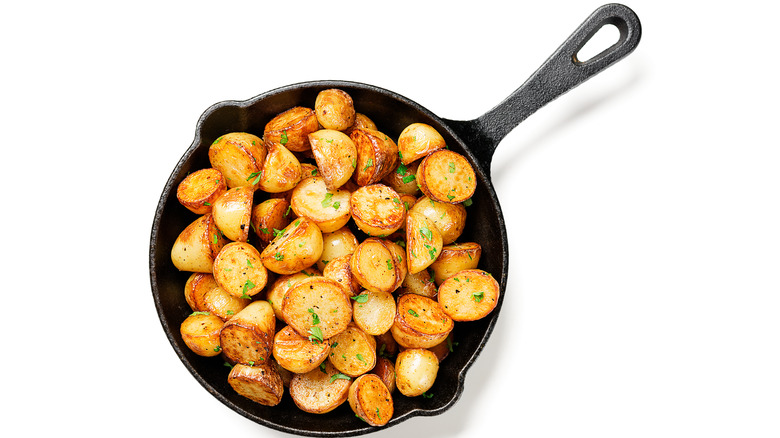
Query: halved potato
x=361, y=121
x=416, y=371
x=336, y=244
x=197, y=245
x=420, y=322
x=296, y=248
x=469, y=295
x=370, y=400
x=450, y=219
x=239, y=270
x=418, y=140
x=385, y=370
x=336, y=156
x=374, y=311
x=269, y=215
x=339, y=269
x=455, y=258
x=420, y=283
x=446, y=176
x=400, y=261
x=386, y=344
x=329, y=209
x=291, y=128
x=335, y=109
x=317, y=308
x=239, y=156
x=377, y=210
x=260, y=383
x=403, y=179
x=444, y=348
x=281, y=170
x=198, y=283
x=232, y=212
x=200, y=189
x=308, y=170
x=375, y=266
x=423, y=242
x=353, y=351
x=377, y=155
x=320, y=390
x=247, y=337
x=277, y=291
x=297, y=353
x=200, y=332
x=222, y=304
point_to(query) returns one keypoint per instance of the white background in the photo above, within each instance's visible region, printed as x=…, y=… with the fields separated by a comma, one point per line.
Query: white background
x=642, y=207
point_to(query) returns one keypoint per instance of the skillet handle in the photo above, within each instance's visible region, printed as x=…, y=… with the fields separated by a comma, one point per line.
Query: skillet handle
x=560, y=73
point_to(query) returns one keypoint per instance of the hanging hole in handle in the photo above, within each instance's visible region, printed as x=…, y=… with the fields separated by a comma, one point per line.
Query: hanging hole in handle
x=602, y=40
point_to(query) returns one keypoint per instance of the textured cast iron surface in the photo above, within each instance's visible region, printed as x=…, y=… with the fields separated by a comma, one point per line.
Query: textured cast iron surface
x=476, y=139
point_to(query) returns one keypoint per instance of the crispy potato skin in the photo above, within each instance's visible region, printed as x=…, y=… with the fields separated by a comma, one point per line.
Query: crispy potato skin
x=335, y=109
x=469, y=295
x=197, y=245
x=450, y=219
x=269, y=215
x=446, y=176
x=200, y=332
x=418, y=140
x=318, y=392
x=339, y=269
x=377, y=155
x=198, y=283
x=200, y=189
x=371, y=400
x=336, y=156
x=416, y=371
x=238, y=156
x=420, y=283
x=385, y=370
x=260, y=383
x=420, y=322
x=361, y=121
x=291, y=128
x=247, y=337
x=454, y=258
x=297, y=353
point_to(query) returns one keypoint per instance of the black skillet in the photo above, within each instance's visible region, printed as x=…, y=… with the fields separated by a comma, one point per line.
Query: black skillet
x=476, y=139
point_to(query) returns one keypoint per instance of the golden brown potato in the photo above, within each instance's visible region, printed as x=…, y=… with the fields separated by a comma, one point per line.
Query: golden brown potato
x=450, y=219
x=446, y=176
x=336, y=156
x=375, y=266
x=297, y=353
x=418, y=140
x=336, y=244
x=239, y=156
x=197, y=245
x=416, y=371
x=374, y=311
x=239, y=271
x=291, y=128
x=423, y=242
x=339, y=269
x=329, y=209
x=200, y=332
x=222, y=304
x=420, y=322
x=455, y=258
x=278, y=289
x=296, y=248
x=403, y=179
x=308, y=170
x=260, y=383
x=469, y=295
x=385, y=370
x=198, y=191
x=420, y=283
x=269, y=215
x=232, y=213
x=443, y=348
x=377, y=156
x=377, y=210
x=370, y=400
x=386, y=344
x=317, y=308
x=400, y=262
x=198, y=283
x=320, y=390
x=335, y=109
x=281, y=170
x=353, y=351
x=247, y=337
x=361, y=121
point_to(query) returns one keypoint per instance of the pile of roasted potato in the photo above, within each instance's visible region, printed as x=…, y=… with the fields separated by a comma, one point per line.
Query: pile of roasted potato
x=325, y=259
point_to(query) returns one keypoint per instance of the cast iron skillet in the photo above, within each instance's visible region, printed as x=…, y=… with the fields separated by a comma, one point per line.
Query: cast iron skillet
x=476, y=139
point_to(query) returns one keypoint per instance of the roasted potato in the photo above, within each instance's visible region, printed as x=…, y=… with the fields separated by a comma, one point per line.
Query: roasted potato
x=403, y=179
x=260, y=383
x=294, y=249
x=469, y=295
x=353, y=351
x=339, y=269
x=329, y=209
x=222, y=304
x=415, y=371
x=420, y=283
x=423, y=242
x=446, y=176
x=385, y=369
x=336, y=244
x=278, y=289
x=247, y=337
x=336, y=156
x=450, y=219
x=374, y=311
x=297, y=353
x=335, y=109
x=291, y=128
x=377, y=210
x=420, y=322
x=281, y=170
x=269, y=215
x=377, y=156
x=317, y=308
x=239, y=156
x=200, y=332
x=455, y=258
x=239, y=271
x=232, y=212
x=198, y=191
x=418, y=140
x=321, y=390
x=370, y=400
x=197, y=245
x=198, y=283
x=361, y=121
x=376, y=267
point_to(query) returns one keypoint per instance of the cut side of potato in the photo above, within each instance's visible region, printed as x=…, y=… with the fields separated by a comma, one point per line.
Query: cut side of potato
x=418, y=140
x=377, y=156
x=198, y=191
x=420, y=322
x=374, y=311
x=281, y=170
x=335, y=109
x=416, y=371
x=353, y=351
x=239, y=270
x=320, y=390
x=377, y=210
x=370, y=400
x=423, y=242
x=260, y=383
x=277, y=291
x=469, y=295
x=446, y=176
x=336, y=156
x=232, y=212
x=294, y=249
x=329, y=209
x=247, y=337
x=297, y=353
x=269, y=215
x=291, y=128
x=200, y=332
x=317, y=308
x=455, y=258
x=197, y=245
x=450, y=219
x=375, y=266
x=239, y=156
x=339, y=269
